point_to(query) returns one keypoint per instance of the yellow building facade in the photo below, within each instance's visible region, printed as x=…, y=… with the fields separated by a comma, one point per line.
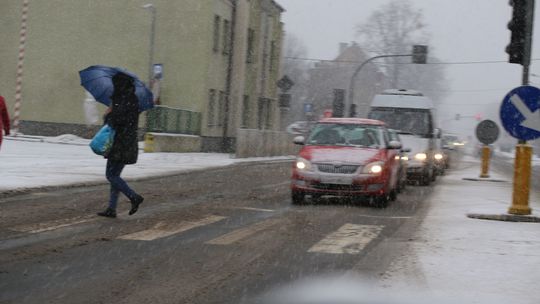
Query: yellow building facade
x=220, y=58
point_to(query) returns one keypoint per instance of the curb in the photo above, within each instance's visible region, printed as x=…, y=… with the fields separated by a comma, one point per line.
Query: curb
x=505, y=217
x=484, y=180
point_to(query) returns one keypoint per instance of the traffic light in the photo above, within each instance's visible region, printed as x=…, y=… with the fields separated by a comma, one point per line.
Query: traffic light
x=419, y=54
x=521, y=28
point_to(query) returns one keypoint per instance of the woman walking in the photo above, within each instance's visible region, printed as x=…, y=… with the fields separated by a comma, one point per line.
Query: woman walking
x=123, y=117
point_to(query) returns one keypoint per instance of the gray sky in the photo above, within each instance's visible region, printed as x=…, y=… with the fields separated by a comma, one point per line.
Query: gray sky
x=461, y=30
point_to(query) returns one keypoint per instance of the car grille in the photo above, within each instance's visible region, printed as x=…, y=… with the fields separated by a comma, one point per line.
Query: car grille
x=338, y=187
x=339, y=169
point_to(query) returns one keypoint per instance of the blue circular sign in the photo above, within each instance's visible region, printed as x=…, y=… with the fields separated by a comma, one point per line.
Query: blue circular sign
x=520, y=112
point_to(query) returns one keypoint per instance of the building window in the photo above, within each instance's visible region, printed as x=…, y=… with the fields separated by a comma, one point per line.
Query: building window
x=226, y=37
x=250, y=46
x=273, y=55
x=245, y=111
x=268, y=105
x=260, y=114
x=217, y=21
x=264, y=114
x=221, y=108
x=211, y=107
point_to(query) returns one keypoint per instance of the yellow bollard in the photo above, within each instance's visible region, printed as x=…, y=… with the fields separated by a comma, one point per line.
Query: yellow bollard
x=522, y=176
x=148, y=143
x=485, y=161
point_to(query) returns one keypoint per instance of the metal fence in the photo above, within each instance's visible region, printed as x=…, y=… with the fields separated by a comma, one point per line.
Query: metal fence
x=170, y=120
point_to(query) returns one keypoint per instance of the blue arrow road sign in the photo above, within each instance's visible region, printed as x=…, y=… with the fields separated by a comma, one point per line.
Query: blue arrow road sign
x=520, y=112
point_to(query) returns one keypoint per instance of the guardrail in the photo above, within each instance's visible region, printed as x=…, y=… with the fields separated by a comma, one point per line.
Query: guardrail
x=163, y=119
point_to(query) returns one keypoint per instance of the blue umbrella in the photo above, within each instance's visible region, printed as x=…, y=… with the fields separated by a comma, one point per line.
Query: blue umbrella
x=97, y=80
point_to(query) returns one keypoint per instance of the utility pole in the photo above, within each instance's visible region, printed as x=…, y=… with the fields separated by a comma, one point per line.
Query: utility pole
x=152, y=10
x=519, y=51
x=20, y=64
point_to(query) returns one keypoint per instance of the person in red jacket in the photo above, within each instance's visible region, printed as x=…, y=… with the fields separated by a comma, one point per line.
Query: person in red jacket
x=4, y=118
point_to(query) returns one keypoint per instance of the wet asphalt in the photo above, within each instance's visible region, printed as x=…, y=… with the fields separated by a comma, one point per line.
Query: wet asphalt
x=53, y=249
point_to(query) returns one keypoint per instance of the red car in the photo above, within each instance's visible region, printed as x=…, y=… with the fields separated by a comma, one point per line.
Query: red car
x=347, y=157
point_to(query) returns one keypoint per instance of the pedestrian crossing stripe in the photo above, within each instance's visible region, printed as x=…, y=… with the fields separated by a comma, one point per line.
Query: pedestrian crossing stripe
x=349, y=239
x=239, y=234
x=256, y=209
x=162, y=229
x=52, y=225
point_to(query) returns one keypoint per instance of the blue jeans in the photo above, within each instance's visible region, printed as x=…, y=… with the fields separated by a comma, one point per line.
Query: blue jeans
x=118, y=185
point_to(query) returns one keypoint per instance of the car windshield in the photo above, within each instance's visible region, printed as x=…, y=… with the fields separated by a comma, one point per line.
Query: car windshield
x=449, y=139
x=415, y=121
x=345, y=135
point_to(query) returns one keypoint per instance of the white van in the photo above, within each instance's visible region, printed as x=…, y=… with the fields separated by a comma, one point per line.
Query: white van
x=412, y=114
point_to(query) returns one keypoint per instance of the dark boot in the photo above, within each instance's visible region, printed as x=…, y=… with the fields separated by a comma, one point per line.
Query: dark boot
x=108, y=213
x=135, y=204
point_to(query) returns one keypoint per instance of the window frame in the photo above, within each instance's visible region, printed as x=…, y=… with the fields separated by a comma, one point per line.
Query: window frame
x=226, y=37
x=216, y=34
x=250, y=53
x=211, y=108
x=245, y=111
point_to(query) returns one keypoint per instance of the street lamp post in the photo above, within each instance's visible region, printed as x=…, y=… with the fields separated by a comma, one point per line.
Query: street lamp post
x=419, y=55
x=350, y=100
x=152, y=10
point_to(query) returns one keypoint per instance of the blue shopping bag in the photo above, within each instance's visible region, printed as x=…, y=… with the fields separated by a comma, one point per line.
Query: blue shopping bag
x=102, y=142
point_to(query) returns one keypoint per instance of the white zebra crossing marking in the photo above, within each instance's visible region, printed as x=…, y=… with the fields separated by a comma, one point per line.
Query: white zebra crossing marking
x=161, y=229
x=237, y=235
x=256, y=209
x=350, y=239
x=52, y=225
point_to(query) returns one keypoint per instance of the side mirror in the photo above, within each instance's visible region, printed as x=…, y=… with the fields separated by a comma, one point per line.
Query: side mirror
x=394, y=145
x=299, y=140
x=406, y=150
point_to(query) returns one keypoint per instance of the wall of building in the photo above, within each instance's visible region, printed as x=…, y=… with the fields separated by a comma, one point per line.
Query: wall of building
x=261, y=76
x=218, y=55
x=80, y=33
x=327, y=76
x=65, y=37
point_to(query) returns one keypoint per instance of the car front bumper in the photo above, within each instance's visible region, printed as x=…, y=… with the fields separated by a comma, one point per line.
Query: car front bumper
x=339, y=184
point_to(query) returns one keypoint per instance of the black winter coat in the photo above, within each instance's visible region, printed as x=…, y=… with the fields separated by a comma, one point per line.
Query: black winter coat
x=124, y=119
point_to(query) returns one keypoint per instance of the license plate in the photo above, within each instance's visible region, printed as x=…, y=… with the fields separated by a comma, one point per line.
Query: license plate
x=338, y=180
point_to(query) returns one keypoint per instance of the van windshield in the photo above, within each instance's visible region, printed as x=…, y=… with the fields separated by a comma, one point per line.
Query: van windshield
x=345, y=135
x=405, y=120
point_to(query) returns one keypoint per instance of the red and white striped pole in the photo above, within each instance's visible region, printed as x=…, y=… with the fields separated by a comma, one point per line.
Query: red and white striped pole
x=18, y=89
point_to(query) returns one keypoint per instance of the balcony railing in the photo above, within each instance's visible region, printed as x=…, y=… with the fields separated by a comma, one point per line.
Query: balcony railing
x=164, y=119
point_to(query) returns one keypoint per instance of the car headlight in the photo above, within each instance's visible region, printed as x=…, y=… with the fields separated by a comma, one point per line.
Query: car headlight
x=373, y=168
x=405, y=157
x=438, y=156
x=420, y=156
x=303, y=164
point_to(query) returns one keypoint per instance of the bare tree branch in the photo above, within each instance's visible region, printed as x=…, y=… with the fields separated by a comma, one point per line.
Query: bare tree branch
x=394, y=29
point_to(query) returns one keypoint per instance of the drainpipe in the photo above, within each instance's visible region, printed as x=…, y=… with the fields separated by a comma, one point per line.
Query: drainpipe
x=225, y=143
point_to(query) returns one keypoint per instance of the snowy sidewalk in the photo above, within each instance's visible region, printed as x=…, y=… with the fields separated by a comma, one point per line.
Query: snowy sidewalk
x=35, y=162
x=456, y=256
